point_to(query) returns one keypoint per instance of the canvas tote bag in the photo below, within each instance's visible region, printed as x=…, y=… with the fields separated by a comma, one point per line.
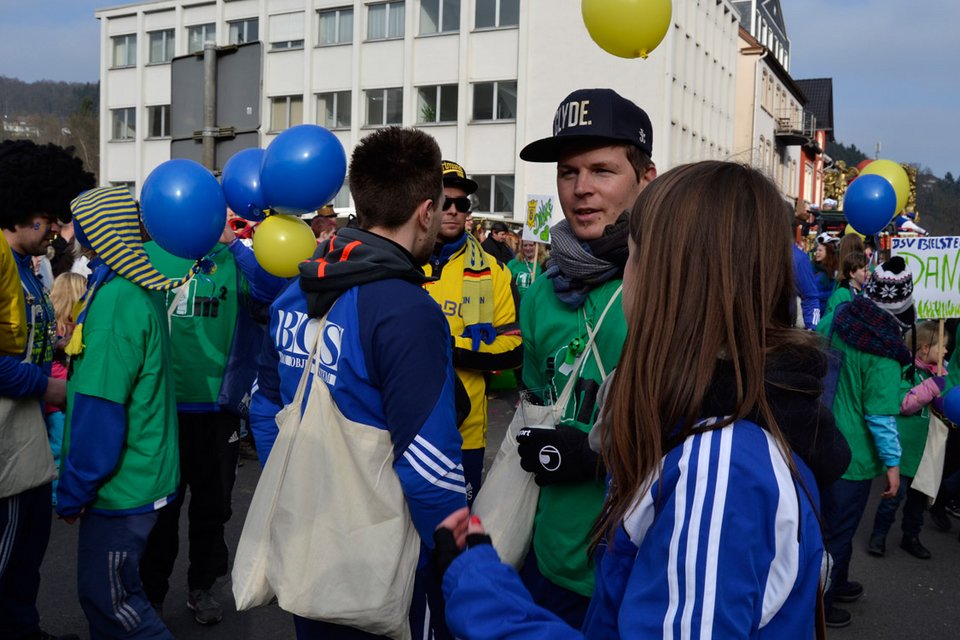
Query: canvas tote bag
x=930, y=470
x=328, y=530
x=507, y=500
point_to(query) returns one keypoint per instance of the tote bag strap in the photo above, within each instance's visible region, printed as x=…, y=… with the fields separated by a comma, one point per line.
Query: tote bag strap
x=561, y=406
x=302, y=386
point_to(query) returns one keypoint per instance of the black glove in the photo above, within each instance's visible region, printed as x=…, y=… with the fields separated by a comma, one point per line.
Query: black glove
x=558, y=455
x=445, y=549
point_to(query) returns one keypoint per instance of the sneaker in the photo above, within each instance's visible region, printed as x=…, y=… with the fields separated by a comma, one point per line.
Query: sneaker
x=837, y=618
x=877, y=546
x=911, y=544
x=940, y=520
x=953, y=508
x=849, y=592
x=206, y=609
x=43, y=635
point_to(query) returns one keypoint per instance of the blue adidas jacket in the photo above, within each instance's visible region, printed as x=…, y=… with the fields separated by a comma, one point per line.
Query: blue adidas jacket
x=385, y=355
x=726, y=545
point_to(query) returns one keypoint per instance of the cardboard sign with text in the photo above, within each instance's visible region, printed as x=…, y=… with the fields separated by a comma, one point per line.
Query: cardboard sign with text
x=935, y=265
x=542, y=213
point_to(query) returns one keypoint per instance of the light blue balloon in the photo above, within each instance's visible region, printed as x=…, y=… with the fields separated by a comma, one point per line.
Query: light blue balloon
x=183, y=208
x=870, y=203
x=302, y=169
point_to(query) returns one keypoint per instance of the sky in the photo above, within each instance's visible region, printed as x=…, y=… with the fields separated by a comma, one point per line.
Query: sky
x=893, y=64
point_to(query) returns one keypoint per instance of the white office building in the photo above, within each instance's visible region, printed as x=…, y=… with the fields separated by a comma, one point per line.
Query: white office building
x=482, y=76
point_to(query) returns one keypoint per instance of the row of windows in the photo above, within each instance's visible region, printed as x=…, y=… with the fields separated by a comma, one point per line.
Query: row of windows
x=385, y=20
x=435, y=104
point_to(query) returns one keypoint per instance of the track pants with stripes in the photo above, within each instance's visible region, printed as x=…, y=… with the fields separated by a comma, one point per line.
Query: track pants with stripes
x=108, y=577
x=24, y=532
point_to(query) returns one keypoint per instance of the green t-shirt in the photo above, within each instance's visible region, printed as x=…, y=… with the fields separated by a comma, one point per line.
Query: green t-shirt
x=912, y=429
x=126, y=360
x=566, y=512
x=524, y=274
x=867, y=385
x=202, y=325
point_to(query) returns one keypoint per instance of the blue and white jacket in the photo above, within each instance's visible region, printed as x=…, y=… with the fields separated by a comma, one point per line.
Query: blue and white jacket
x=726, y=544
x=384, y=354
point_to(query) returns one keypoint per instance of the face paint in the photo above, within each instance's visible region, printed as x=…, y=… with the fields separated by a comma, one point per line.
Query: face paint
x=36, y=226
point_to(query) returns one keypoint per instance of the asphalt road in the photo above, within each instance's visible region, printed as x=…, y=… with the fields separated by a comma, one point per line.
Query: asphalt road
x=905, y=597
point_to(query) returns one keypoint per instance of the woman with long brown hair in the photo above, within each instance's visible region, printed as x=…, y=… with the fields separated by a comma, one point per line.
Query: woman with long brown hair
x=710, y=525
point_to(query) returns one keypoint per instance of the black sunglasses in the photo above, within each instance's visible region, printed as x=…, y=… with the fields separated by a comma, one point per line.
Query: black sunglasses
x=462, y=204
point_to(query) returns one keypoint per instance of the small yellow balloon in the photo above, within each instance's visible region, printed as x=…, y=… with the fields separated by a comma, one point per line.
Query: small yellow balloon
x=848, y=230
x=281, y=243
x=627, y=28
x=895, y=175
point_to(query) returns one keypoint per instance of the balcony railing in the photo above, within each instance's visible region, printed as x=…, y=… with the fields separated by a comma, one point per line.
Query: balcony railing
x=794, y=126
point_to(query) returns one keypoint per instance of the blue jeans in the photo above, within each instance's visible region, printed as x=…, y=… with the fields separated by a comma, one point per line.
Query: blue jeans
x=912, y=521
x=108, y=577
x=842, y=504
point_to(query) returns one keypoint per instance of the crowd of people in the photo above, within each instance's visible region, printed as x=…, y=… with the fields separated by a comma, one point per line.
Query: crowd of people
x=712, y=456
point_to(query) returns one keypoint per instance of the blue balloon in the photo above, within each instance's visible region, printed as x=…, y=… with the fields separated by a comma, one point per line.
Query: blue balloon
x=241, y=184
x=302, y=169
x=870, y=203
x=183, y=208
x=951, y=405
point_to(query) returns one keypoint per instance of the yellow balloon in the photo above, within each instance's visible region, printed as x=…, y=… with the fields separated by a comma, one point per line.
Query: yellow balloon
x=847, y=230
x=627, y=28
x=281, y=243
x=895, y=175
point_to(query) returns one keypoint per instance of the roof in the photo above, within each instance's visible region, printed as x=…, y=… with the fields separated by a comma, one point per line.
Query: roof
x=819, y=92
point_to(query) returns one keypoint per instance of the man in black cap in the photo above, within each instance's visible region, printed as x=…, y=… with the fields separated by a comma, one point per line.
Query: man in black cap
x=602, y=144
x=495, y=245
x=476, y=296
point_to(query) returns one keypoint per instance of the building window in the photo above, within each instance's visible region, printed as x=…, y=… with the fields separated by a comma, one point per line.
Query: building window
x=437, y=104
x=336, y=26
x=199, y=35
x=495, y=194
x=333, y=110
x=384, y=106
x=158, y=121
x=161, y=46
x=244, y=31
x=285, y=112
x=286, y=31
x=495, y=100
x=439, y=16
x=124, y=123
x=385, y=20
x=125, y=51
x=497, y=13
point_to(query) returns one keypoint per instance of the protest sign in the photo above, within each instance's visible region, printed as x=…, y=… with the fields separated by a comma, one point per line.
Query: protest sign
x=542, y=213
x=934, y=264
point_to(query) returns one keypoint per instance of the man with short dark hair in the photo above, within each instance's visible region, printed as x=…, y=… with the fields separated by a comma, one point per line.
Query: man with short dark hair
x=495, y=243
x=388, y=363
x=601, y=143
x=475, y=294
x=37, y=183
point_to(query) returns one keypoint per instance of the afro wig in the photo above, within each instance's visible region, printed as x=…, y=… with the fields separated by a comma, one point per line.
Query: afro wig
x=38, y=180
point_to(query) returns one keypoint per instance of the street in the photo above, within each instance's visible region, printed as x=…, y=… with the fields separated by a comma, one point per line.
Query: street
x=905, y=597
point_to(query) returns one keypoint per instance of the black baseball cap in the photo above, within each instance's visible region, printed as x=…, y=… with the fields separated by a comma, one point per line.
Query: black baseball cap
x=593, y=115
x=455, y=176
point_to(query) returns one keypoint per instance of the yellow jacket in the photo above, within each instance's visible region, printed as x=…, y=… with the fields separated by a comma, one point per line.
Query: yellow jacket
x=13, y=313
x=505, y=352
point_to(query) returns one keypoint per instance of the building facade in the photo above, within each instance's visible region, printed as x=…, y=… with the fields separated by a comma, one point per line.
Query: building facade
x=482, y=76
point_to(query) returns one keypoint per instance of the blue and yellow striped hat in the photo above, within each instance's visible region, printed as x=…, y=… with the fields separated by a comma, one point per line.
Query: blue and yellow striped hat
x=110, y=223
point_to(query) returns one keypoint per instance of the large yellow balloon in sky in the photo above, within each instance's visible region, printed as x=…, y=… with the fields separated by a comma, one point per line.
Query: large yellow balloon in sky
x=281, y=243
x=627, y=28
x=895, y=175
